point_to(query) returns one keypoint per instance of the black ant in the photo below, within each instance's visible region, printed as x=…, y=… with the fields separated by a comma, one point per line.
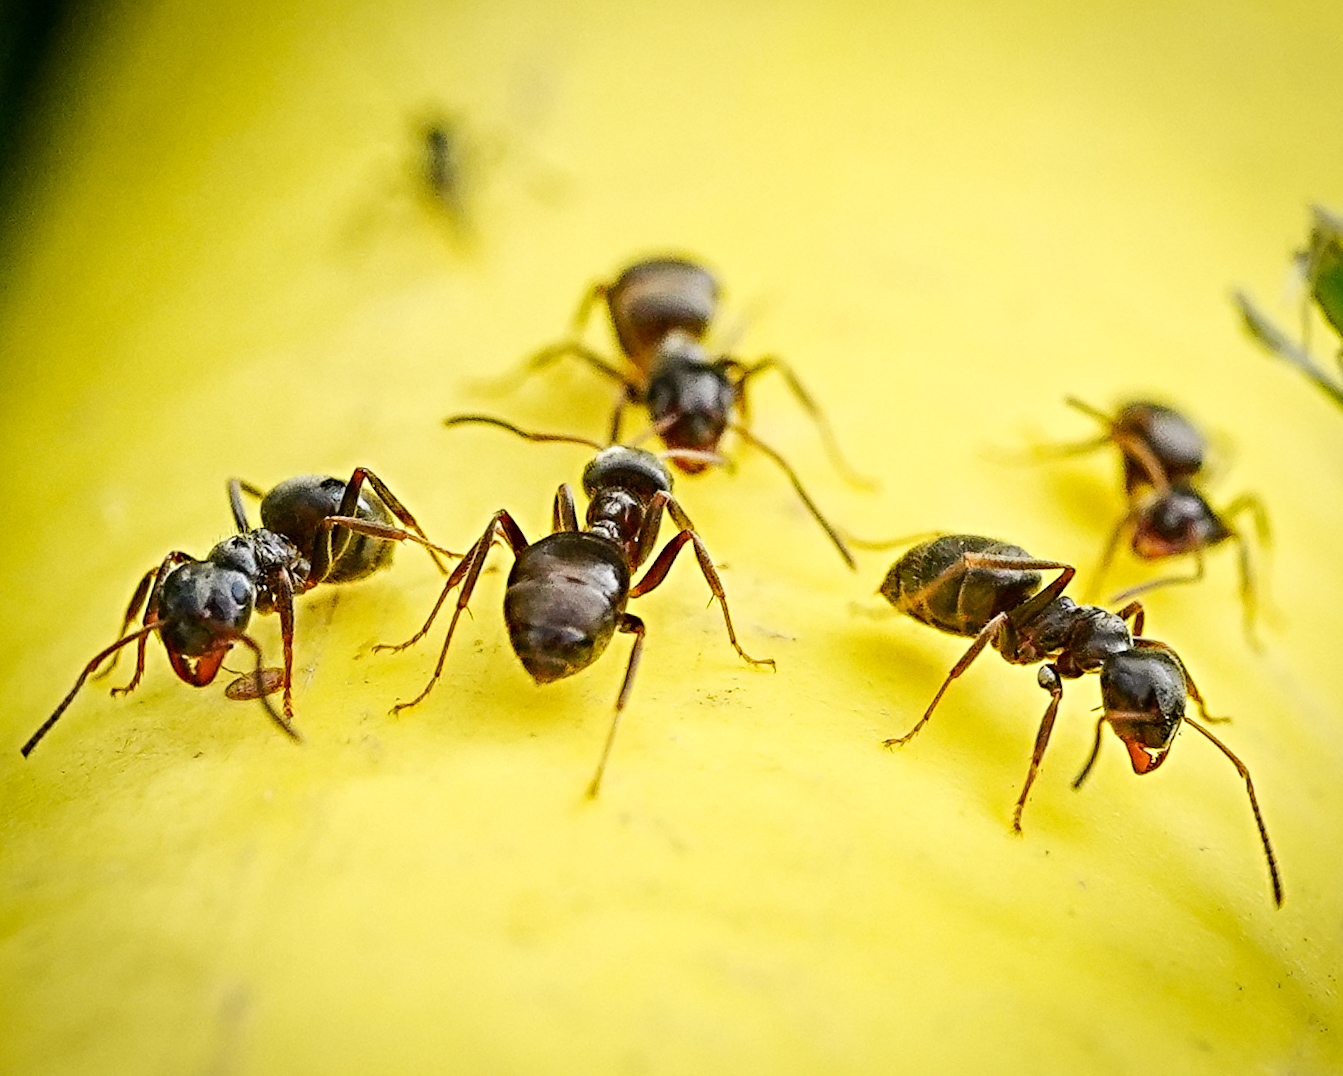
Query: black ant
x=1163, y=455
x=201, y=608
x=660, y=311
x=977, y=587
x=566, y=593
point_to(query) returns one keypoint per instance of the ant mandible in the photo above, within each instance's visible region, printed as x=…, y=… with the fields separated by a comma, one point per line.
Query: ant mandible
x=1162, y=454
x=566, y=593
x=201, y=608
x=660, y=311
x=977, y=587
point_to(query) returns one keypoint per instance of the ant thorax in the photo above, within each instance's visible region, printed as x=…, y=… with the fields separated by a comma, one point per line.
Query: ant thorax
x=261, y=556
x=1078, y=639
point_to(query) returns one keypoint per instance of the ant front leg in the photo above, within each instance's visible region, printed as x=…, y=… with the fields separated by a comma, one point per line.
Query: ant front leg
x=465, y=574
x=132, y=611
x=809, y=405
x=657, y=571
x=630, y=625
x=157, y=575
x=1047, y=678
x=985, y=636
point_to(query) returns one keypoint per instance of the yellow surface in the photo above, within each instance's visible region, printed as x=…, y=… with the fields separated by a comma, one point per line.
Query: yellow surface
x=947, y=216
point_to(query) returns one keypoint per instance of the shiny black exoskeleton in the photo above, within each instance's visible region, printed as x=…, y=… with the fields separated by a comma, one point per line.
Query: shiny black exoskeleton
x=660, y=312
x=317, y=529
x=990, y=591
x=566, y=593
x=1163, y=457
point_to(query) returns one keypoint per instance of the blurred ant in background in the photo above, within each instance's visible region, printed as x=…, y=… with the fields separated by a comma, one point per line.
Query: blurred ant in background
x=1163, y=457
x=316, y=529
x=566, y=593
x=988, y=590
x=660, y=311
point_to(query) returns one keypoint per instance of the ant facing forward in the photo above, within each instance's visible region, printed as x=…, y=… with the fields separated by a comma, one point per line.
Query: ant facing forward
x=201, y=608
x=989, y=590
x=660, y=311
x=1162, y=454
x=566, y=593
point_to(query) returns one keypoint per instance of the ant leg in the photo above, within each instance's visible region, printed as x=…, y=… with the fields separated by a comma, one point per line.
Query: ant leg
x=1091, y=758
x=1130, y=446
x=1191, y=688
x=236, y=488
x=1134, y=611
x=1248, y=502
x=103, y=655
x=132, y=611
x=631, y=395
x=1048, y=678
x=157, y=575
x=809, y=405
x=631, y=625
x=284, y=723
x=1254, y=806
x=547, y=356
x=826, y=526
x=382, y=530
x=564, y=513
x=350, y=502
x=1032, y=605
x=988, y=632
x=466, y=573
x=345, y=516
x=1108, y=555
x=657, y=572
x=284, y=606
x=1165, y=580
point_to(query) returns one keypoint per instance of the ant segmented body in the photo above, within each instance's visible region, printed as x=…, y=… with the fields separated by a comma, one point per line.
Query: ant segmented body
x=567, y=592
x=990, y=591
x=1163, y=456
x=660, y=310
x=201, y=608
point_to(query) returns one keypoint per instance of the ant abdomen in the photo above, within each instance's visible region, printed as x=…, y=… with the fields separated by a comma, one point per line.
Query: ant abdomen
x=557, y=631
x=655, y=297
x=1174, y=442
x=933, y=584
x=296, y=509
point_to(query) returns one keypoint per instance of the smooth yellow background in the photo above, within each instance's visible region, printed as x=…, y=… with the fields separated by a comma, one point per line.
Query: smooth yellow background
x=947, y=217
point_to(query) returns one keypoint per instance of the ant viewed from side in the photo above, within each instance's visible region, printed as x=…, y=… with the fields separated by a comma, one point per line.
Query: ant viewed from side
x=660, y=311
x=988, y=590
x=201, y=608
x=1162, y=454
x=566, y=593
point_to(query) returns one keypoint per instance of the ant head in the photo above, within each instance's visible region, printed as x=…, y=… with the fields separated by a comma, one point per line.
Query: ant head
x=690, y=398
x=1143, y=693
x=621, y=466
x=1176, y=521
x=203, y=606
